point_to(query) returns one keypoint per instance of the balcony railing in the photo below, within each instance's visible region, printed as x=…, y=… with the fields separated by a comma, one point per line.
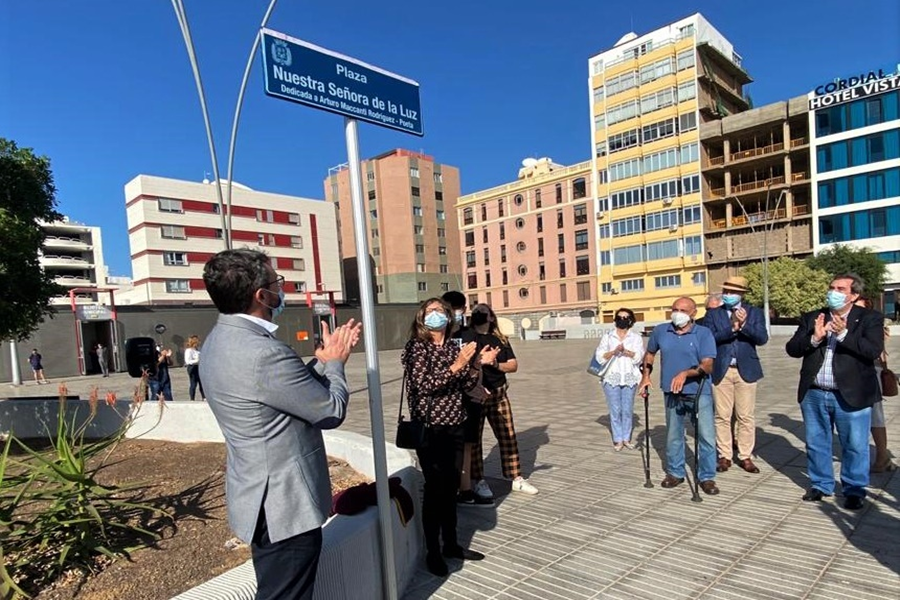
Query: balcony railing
x=718, y=192
x=799, y=176
x=758, y=184
x=801, y=210
x=759, y=217
x=757, y=151
x=799, y=142
x=716, y=160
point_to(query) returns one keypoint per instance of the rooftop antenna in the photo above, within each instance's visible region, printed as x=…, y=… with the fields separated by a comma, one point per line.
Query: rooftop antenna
x=205, y=176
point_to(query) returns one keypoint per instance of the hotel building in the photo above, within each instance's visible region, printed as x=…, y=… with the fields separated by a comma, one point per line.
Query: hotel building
x=528, y=245
x=72, y=254
x=413, y=239
x=175, y=226
x=855, y=126
x=649, y=95
x=756, y=187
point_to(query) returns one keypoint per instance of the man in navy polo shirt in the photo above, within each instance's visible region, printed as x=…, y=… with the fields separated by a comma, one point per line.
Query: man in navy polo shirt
x=688, y=351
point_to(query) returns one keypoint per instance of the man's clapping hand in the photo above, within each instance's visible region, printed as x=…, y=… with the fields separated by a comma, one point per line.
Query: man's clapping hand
x=336, y=345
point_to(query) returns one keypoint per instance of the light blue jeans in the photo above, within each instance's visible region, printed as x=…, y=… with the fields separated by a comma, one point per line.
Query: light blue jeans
x=620, y=400
x=677, y=412
x=823, y=411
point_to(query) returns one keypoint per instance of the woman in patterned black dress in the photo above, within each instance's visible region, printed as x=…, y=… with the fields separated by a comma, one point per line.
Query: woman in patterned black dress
x=438, y=371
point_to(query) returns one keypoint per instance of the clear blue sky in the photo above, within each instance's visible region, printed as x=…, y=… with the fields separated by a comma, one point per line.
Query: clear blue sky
x=104, y=87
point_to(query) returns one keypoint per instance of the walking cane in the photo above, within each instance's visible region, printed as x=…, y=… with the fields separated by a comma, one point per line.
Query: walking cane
x=645, y=455
x=695, y=422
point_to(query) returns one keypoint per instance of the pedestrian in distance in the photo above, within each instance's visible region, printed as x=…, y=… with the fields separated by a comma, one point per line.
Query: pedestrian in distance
x=37, y=367
x=621, y=350
x=839, y=345
x=272, y=408
x=192, y=365
x=103, y=359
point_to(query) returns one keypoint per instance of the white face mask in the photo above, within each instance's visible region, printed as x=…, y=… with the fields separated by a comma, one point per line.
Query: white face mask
x=680, y=319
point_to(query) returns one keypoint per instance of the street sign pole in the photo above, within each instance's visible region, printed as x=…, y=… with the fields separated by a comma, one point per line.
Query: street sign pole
x=373, y=377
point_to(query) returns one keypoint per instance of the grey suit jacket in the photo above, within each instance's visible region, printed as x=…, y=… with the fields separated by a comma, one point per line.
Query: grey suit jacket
x=271, y=408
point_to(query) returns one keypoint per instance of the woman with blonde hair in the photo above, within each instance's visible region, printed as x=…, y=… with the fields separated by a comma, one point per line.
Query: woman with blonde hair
x=192, y=364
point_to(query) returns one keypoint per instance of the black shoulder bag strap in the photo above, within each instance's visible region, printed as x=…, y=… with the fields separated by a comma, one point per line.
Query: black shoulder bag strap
x=403, y=385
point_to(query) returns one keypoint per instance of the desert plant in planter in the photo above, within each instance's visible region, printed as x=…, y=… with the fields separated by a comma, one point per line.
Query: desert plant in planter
x=54, y=514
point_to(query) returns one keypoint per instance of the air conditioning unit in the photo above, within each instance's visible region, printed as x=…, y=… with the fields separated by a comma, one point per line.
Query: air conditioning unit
x=668, y=201
x=600, y=214
x=614, y=291
x=673, y=228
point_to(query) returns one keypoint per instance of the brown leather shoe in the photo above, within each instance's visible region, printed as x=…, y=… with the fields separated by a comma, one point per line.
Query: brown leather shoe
x=709, y=487
x=747, y=465
x=670, y=482
x=722, y=464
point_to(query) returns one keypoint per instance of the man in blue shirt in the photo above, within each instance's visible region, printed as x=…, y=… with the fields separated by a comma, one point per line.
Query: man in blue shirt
x=687, y=354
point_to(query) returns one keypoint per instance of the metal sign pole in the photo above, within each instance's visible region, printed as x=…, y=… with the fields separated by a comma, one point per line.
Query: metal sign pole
x=373, y=378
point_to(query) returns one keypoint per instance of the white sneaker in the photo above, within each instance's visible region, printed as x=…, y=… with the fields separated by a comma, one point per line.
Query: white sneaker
x=520, y=484
x=482, y=489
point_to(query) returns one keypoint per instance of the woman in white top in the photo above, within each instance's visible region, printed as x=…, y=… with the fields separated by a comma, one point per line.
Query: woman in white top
x=192, y=363
x=626, y=350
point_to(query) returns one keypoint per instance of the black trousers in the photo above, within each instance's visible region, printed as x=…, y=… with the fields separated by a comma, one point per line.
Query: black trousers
x=441, y=462
x=193, y=372
x=285, y=570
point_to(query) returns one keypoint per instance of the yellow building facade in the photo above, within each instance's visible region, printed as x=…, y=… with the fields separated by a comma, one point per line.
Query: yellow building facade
x=649, y=95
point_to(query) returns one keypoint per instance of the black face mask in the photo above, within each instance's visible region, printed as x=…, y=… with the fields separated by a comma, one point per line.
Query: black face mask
x=625, y=323
x=479, y=318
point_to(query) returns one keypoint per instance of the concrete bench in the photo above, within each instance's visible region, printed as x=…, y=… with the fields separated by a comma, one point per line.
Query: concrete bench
x=555, y=334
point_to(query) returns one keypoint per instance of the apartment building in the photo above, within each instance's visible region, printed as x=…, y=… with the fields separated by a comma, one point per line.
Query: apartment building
x=855, y=127
x=648, y=95
x=528, y=246
x=412, y=228
x=756, y=187
x=175, y=226
x=73, y=254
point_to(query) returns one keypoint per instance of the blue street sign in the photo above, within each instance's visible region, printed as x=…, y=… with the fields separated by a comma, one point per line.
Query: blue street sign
x=302, y=72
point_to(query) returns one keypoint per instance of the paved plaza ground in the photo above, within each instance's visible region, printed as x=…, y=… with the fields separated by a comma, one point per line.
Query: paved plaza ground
x=594, y=531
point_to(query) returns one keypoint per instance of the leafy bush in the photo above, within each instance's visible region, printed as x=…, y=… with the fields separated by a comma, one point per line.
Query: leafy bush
x=54, y=514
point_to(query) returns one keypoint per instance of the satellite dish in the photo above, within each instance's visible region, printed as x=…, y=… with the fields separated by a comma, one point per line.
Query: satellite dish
x=529, y=162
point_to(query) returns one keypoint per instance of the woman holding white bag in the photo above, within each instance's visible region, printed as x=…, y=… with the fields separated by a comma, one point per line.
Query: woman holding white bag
x=620, y=352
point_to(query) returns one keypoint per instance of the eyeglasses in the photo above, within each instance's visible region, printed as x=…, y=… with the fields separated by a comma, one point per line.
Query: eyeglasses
x=279, y=280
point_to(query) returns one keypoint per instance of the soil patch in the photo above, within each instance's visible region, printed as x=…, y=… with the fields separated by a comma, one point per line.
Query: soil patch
x=187, y=480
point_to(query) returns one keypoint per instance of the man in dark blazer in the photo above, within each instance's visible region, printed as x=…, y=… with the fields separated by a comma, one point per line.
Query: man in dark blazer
x=839, y=345
x=738, y=329
x=272, y=408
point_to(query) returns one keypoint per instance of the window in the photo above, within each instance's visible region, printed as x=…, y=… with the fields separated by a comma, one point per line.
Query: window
x=487, y=299
x=414, y=171
x=622, y=112
x=667, y=281
x=520, y=223
x=373, y=214
x=422, y=286
x=559, y=219
x=581, y=239
x=561, y=242
x=500, y=212
x=417, y=211
x=484, y=235
x=523, y=293
x=470, y=238
x=444, y=269
x=562, y=268
x=620, y=83
x=687, y=90
x=602, y=176
x=558, y=193
x=472, y=281
x=445, y=287
x=441, y=232
x=170, y=206
x=441, y=216
x=606, y=288
x=420, y=267
x=502, y=231
x=438, y=177
x=370, y=176
x=470, y=258
x=625, y=169
x=418, y=229
x=856, y=114
x=473, y=299
x=299, y=264
x=662, y=250
x=442, y=250
x=505, y=298
x=487, y=279
x=579, y=188
x=537, y=198
x=632, y=285
x=626, y=226
x=686, y=31
x=484, y=212
x=543, y=293
x=693, y=245
x=657, y=131
x=687, y=122
x=690, y=185
x=628, y=255
x=562, y=293
x=662, y=219
x=178, y=286
x=467, y=216
x=265, y=216
x=518, y=199
x=656, y=70
x=662, y=190
x=439, y=196
x=583, y=290
x=623, y=141
x=414, y=191
x=172, y=232
x=175, y=258
x=699, y=278
x=626, y=198
x=379, y=288
x=502, y=253
x=371, y=194
x=542, y=271
x=581, y=215
x=856, y=189
x=685, y=59
x=487, y=256
x=540, y=246
x=420, y=248
x=690, y=153
x=504, y=277
x=605, y=257
x=376, y=251
x=293, y=218
x=540, y=223
x=657, y=100
x=582, y=265
x=599, y=122
x=520, y=247
x=884, y=145
x=661, y=160
x=690, y=214
x=599, y=94
x=600, y=149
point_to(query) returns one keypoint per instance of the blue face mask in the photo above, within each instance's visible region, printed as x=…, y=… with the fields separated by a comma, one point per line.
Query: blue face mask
x=436, y=320
x=731, y=300
x=279, y=308
x=835, y=299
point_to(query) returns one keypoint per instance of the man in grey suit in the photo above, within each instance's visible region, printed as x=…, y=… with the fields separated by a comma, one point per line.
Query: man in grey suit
x=271, y=408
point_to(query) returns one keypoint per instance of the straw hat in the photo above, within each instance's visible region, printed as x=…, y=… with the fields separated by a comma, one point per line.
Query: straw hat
x=736, y=284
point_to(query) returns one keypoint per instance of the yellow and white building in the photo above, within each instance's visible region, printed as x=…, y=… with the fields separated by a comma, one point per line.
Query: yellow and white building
x=648, y=96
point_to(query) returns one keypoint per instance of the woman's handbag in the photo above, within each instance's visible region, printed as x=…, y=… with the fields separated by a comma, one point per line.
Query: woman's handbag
x=888, y=383
x=597, y=368
x=410, y=434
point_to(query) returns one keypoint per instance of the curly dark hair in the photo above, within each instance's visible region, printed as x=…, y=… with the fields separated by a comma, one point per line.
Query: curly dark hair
x=418, y=331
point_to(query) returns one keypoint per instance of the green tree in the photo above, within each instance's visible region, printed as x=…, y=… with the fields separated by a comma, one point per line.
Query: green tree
x=27, y=194
x=862, y=261
x=794, y=287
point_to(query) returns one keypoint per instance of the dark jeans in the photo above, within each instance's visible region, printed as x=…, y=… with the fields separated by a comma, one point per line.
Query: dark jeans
x=193, y=372
x=441, y=462
x=286, y=569
x=157, y=388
